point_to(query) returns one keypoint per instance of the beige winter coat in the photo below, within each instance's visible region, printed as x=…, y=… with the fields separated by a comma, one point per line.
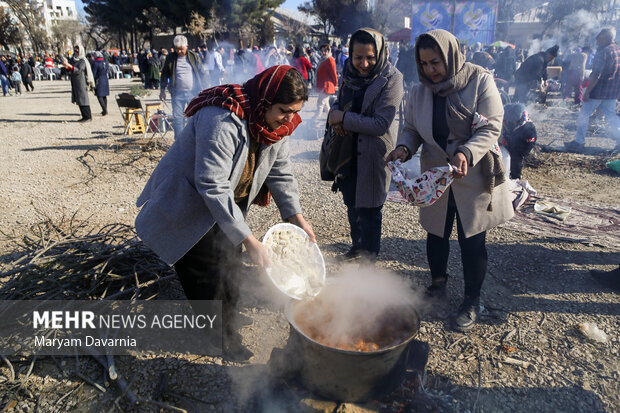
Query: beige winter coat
x=480, y=95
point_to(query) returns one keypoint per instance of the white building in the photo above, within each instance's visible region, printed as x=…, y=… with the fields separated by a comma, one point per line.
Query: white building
x=57, y=10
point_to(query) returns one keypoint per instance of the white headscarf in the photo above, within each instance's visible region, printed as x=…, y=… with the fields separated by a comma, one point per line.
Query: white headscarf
x=90, y=79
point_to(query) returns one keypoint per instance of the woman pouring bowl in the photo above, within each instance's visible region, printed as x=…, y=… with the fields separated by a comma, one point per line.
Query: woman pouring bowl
x=234, y=152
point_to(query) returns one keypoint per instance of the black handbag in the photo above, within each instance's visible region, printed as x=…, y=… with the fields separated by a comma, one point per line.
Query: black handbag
x=330, y=139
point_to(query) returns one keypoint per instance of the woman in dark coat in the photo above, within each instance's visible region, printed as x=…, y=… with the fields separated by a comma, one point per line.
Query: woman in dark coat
x=154, y=70
x=363, y=117
x=81, y=79
x=102, y=86
x=27, y=74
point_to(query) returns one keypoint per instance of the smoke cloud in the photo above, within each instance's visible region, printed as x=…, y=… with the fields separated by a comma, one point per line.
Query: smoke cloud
x=367, y=304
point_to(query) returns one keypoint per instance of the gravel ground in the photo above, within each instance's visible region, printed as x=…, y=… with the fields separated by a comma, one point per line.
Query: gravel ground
x=537, y=289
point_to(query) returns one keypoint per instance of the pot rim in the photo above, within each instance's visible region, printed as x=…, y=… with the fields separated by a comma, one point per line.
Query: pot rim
x=289, y=316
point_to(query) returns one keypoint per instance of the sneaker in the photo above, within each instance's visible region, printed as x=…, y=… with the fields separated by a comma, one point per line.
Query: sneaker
x=574, y=146
x=609, y=279
x=466, y=317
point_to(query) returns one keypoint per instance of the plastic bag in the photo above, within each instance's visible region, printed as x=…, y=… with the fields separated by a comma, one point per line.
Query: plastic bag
x=614, y=165
x=425, y=189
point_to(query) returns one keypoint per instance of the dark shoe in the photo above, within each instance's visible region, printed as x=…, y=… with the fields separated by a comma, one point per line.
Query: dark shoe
x=104, y=113
x=351, y=255
x=83, y=120
x=436, y=292
x=574, y=146
x=609, y=279
x=466, y=317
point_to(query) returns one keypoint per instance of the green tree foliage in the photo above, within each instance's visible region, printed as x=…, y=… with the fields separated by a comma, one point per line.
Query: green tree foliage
x=247, y=19
x=9, y=30
x=343, y=17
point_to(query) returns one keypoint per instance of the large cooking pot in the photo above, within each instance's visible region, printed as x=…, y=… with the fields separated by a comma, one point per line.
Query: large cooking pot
x=349, y=376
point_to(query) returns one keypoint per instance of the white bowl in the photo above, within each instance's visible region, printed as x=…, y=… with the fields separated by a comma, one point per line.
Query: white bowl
x=320, y=263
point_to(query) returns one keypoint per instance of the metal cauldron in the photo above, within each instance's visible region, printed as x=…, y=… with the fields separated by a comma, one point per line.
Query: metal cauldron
x=349, y=376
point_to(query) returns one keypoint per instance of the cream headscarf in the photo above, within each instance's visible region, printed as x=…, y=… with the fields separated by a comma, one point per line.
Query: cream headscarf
x=90, y=79
x=459, y=72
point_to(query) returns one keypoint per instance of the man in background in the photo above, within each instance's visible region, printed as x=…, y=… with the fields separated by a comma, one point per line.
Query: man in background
x=532, y=71
x=602, y=91
x=183, y=75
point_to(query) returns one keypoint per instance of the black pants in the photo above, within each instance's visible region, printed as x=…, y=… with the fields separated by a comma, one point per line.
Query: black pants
x=365, y=223
x=473, y=253
x=28, y=84
x=517, y=153
x=85, y=111
x=207, y=271
x=103, y=101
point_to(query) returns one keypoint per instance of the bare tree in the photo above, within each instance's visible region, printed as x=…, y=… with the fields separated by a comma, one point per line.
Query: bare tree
x=64, y=34
x=32, y=21
x=295, y=29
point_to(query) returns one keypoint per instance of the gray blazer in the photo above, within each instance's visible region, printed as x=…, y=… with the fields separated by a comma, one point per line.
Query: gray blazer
x=191, y=189
x=377, y=132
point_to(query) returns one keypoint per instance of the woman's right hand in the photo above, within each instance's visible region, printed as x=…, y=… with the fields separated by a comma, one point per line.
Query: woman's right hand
x=257, y=251
x=398, y=154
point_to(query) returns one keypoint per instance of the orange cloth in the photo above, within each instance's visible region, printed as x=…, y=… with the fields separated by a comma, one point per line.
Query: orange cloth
x=327, y=77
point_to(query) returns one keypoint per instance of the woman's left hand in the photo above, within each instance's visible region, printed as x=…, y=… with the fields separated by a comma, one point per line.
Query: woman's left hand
x=300, y=221
x=459, y=161
x=335, y=117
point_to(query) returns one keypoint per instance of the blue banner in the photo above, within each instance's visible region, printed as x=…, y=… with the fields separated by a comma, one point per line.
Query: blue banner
x=429, y=16
x=475, y=21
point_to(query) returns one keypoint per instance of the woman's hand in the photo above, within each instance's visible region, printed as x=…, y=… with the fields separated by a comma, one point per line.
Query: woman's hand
x=300, y=221
x=459, y=161
x=335, y=117
x=398, y=154
x=257, y=251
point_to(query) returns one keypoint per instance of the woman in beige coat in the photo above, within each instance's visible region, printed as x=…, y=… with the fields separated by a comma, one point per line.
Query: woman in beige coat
x=441, y=117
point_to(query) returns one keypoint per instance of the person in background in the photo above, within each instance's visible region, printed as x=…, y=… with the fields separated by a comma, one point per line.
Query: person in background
x=532, y=71
x=27, y=73
x=342, y=57
x=602, y=92
x=326, y=79
x=506, y=65
x=439, y=117
x=182, y=74
x=363, y=117
x=573, y=80
x=81, y=79
x=233, y=154
x=216, y=66
x=17, y=81
x=484, y=60
x=4, y=77
x=154, y=69
x=102, y=86
x=302, y=64
x=518, y=136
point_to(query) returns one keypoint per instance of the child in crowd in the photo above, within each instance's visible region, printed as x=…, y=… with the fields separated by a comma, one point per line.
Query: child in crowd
x=17, y=81
x=518, y=136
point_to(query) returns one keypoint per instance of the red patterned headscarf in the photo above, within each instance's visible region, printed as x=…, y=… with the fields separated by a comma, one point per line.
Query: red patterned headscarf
x=250, y=102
